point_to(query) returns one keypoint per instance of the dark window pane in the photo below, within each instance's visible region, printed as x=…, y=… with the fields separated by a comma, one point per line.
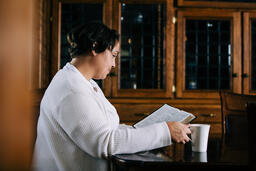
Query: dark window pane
x=142, y=37
x=207, y=53
x=253, y=64
x=73, y=15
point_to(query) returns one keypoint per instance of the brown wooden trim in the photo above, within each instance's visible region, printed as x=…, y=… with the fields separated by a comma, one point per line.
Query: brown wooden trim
x=55, y=58
x=34, y=68
x=158, y=54
x=17, y=129
x=117, y=26
x=142, y=90
x=180, y=54
x=199, y=94
x=237, y=53
x=207, y=13
x=83, y=1
x=236, y=41
x=107, y=19
x=107, y=86
x=247, y=52
x=41, y=42
x=144, y=2
x=133, y=111
x=216, y=4
x=107, y=13
x=199, y=102
x=36, y=96
x=140, y=93
x=170, y=49
x=45, y=41
x=252, y=92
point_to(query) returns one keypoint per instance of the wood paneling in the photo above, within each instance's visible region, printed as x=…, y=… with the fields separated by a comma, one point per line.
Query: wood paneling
x=44, y=42
x=166, y=100
x=117, y=26
x=82, y=1
x=55, y=38
x=207, y=111
x=134, y=112
x=216, y=4
x=234, y=105
x=107, y=19
x=143, y=1
x=16, y=51
x=237, y=53
x=247, y=52
x=170, y=48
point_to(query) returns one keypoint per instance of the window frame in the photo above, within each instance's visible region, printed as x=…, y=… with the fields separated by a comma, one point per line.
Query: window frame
x=235, y=55
x=56, y=33
x=204, y=3
x=247, y=52
x=169, y=52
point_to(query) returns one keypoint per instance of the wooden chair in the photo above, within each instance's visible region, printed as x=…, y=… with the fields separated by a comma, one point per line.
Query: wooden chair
x=251, y=110
x=234, y=117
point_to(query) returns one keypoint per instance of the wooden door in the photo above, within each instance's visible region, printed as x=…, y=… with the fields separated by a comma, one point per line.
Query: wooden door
x=146, y=65
x=16, y=59
x=208, y=53
x=249, y=53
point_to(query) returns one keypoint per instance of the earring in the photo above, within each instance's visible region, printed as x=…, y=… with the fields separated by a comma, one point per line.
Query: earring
x=94, y=45
x=73, y=44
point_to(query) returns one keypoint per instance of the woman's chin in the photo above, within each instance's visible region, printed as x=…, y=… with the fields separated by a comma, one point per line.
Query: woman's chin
x=102, y=77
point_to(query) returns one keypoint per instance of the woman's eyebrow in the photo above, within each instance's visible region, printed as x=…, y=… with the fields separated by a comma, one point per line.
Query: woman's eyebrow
x=116, y=52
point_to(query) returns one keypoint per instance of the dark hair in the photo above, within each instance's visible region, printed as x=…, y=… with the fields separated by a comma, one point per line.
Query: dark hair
x=91, y=36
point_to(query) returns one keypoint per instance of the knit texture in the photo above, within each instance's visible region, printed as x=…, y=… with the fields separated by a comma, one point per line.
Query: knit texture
x=78, y=128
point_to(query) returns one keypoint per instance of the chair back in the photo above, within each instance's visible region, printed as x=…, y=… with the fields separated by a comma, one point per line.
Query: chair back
x=251, y=110
x=234, y=117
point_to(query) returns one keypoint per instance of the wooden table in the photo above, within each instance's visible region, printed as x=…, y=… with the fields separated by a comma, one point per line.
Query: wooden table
x=180, y=157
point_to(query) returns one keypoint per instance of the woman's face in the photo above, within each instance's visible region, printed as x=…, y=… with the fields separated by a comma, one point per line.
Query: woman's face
x=105, y=61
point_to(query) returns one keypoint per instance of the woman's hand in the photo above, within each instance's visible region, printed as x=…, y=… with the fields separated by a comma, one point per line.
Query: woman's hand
x=179, y=131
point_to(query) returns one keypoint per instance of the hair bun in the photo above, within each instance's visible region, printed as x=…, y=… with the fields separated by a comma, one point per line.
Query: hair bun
x=91, y=36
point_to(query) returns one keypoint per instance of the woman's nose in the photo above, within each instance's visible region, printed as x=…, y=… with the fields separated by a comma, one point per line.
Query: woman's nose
x=114, y=63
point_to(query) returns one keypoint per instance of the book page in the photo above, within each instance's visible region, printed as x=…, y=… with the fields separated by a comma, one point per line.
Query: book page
x=166, y=113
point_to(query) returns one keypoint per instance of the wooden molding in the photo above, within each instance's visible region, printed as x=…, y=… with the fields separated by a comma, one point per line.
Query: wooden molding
x=55, y=51
x=216, y=4
x=247, y=52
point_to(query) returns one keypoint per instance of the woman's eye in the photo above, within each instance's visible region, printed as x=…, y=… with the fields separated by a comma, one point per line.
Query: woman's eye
x=115, y=55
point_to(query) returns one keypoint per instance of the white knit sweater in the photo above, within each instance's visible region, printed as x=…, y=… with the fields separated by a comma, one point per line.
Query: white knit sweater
x=78, y=128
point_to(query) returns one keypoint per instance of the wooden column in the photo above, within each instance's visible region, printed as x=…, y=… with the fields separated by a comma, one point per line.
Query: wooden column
x=16, y=54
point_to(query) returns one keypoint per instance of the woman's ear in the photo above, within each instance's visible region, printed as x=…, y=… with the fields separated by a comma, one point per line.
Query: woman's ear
x=94, y=53
x=93, y=48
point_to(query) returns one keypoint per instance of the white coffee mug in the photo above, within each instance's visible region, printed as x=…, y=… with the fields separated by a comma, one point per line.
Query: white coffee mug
x=199, y=137
x=199, y=157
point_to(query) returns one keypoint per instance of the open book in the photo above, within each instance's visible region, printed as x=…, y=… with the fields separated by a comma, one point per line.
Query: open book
x=166, y=113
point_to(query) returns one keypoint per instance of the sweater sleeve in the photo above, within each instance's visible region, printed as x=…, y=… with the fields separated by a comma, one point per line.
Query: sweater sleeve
x=85, y=122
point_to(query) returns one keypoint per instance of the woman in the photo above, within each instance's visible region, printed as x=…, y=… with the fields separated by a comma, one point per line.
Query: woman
x=78, y=128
